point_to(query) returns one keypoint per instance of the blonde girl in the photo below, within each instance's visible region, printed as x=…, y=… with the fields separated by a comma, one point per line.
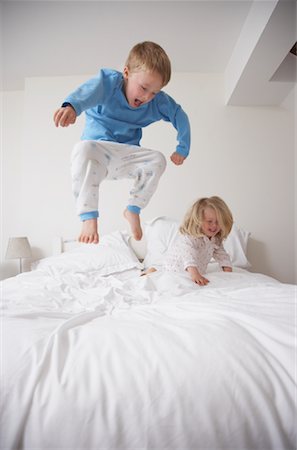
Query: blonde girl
x=200, y=238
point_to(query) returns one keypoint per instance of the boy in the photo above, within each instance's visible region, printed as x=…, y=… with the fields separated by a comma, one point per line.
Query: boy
x=117, y=107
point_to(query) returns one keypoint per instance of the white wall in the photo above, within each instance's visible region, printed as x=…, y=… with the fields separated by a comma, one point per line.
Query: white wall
x=11, y=142
x=295, y=177
x=243, y=154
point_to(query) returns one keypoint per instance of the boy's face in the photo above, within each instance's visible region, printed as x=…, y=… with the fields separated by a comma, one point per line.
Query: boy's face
x=141, y=87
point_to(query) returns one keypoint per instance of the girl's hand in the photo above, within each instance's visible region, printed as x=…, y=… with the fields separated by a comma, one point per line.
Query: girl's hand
x=227, y=269
x=202, y=281
x=197, y=277
x=148, y=271
x=177, y=159
x=65, y=116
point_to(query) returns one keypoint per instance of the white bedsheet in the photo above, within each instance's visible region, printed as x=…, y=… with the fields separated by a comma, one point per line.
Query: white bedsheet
x=157, y=362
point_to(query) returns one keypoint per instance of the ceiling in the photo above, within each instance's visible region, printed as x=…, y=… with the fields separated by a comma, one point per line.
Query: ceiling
x=53, y=38
x=247, y=41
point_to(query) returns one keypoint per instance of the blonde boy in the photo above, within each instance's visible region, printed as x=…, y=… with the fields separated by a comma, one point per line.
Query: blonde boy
x=117, y=106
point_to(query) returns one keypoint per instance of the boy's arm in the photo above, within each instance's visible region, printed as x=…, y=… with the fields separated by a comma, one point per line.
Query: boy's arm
x=182, y=124
x=89, y=94
x=172, y=112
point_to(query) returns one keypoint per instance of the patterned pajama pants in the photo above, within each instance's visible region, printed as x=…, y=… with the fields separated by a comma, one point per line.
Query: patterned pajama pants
x=94, y=161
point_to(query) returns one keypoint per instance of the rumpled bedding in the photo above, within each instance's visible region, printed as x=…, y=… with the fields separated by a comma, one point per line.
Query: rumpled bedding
x=153, y=362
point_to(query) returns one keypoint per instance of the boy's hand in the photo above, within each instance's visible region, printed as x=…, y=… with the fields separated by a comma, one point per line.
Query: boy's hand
x=177, y=159
x=65, y=116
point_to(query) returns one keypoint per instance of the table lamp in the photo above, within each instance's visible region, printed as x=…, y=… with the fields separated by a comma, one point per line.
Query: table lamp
x=18, y=247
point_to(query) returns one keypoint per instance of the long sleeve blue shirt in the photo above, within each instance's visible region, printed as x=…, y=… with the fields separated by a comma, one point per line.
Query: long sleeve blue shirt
x=109, y=117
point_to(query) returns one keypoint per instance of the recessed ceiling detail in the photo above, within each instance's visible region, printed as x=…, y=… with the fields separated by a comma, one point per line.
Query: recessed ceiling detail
x=294, y=49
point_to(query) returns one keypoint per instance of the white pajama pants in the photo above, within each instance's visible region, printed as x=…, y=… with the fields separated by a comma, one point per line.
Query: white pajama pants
x=94, y=161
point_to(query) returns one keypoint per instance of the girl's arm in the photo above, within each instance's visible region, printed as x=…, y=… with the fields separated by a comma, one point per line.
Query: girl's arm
x=189, y=256
x=196, y=276
x=221, y=256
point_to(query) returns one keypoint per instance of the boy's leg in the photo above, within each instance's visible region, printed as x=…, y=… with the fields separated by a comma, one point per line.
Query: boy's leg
x=145, y=167
x=134, y=222
x=88, y=168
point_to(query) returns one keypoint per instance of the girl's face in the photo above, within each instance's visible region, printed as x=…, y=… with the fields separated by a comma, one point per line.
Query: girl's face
x=210, y=226
x=141, y=87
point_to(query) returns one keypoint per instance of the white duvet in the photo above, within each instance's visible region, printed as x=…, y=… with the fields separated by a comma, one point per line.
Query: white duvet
x=156, y=362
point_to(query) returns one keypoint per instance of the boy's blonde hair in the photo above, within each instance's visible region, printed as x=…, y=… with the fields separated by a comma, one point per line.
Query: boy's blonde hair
x=151, y=57
x=195, y=216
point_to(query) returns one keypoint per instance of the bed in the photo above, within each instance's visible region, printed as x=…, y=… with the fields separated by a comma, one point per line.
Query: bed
x=95, y=356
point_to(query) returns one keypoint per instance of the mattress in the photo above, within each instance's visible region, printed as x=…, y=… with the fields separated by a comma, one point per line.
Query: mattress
x=108, y=359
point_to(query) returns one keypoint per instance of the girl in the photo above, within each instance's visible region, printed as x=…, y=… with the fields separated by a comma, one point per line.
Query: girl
x=200, y=238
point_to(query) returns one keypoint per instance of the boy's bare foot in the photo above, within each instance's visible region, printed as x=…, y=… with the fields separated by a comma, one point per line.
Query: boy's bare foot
x=89, y=232
x=134, y=221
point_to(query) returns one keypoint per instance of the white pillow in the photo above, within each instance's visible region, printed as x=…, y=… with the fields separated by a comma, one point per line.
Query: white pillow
x=161, y=231
x=159, y=234
x=236, y=246
x=111, y=255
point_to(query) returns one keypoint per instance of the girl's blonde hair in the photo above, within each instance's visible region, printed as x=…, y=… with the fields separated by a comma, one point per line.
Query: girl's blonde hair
x=151, y=57
x=195, y=216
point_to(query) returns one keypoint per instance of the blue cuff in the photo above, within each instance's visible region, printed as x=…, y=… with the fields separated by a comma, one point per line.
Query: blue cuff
x=182, y=152
x=66, y=104
x=134, y=209
x=89, y=215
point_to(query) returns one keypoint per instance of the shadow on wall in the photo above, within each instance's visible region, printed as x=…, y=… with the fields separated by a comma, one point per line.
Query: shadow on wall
x=257, y=256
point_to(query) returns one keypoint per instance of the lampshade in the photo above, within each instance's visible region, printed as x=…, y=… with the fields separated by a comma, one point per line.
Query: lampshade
x=18, y=247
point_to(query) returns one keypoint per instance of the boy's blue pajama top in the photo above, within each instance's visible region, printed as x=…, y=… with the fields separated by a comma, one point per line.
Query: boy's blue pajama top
x=109, y=117
x=110, y=145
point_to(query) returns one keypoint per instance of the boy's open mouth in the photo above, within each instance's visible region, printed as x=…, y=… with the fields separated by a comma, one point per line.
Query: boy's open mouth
x=137, y=102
